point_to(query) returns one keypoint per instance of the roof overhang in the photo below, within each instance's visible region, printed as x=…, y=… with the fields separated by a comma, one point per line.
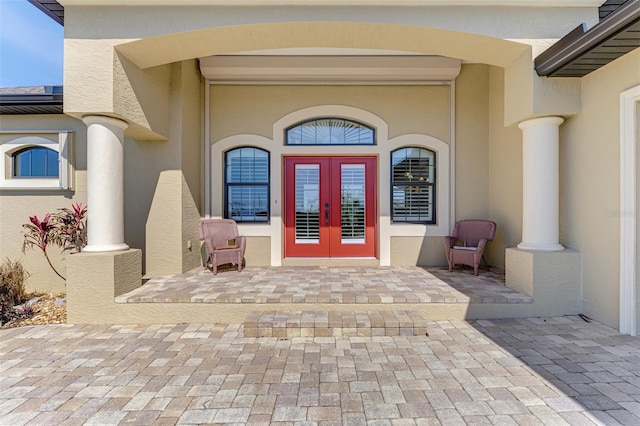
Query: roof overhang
x=583, y=51
x=51, y=8
x=39, y=100
x=367, y=3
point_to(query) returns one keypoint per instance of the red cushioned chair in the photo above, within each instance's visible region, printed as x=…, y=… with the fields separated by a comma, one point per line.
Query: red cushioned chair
x=224, y=244
x=467, y=243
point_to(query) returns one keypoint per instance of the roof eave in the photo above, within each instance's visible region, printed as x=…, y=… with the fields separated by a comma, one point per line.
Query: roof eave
x=50, y=13
x=579, y=41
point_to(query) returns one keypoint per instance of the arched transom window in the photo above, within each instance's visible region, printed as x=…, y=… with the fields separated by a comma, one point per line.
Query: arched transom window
x=35, y=162
x=330, y=131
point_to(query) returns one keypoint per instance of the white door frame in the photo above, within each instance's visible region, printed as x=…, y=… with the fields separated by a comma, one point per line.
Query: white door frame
x=629, y=101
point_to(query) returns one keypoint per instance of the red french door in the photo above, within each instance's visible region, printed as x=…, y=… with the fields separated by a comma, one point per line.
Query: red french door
x=330, y=206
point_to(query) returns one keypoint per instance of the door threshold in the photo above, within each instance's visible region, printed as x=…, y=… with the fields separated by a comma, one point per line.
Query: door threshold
x=331, y=261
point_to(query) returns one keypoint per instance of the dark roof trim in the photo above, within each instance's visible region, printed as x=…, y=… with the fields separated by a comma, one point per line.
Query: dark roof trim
x=609, y=7
x=51, y=8
x=579, y=41
x=48, y=101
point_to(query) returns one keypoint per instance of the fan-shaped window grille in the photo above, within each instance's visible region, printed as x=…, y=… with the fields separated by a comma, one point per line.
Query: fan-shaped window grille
x=330, y=131
x=35, y=162
x=413, y=176
x=247, y=185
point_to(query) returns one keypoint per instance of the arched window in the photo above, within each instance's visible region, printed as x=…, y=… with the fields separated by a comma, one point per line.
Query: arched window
x=330, y=131
x=413, y=175
x=35, y=162
x=246, y=184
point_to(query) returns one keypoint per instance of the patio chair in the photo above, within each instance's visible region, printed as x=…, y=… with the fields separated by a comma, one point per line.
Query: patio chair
x=224, y=244
x=466, y=245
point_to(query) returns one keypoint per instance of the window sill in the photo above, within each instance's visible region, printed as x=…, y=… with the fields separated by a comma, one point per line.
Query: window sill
x=35, y=188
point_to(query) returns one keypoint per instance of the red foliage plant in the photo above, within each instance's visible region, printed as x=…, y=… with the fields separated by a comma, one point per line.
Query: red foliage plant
x=66, y=228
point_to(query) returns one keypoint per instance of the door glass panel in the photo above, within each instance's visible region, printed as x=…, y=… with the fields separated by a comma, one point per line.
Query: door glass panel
x=352, y=194
x=307, y=203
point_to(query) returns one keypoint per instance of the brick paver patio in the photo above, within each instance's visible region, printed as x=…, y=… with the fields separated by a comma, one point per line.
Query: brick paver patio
x=380, y=285
x=523, y=371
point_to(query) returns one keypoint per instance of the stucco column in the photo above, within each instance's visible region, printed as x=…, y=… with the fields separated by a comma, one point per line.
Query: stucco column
x=105, y=183
x=541, y=184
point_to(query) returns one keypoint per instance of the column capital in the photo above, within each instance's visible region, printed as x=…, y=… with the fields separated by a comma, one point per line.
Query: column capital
x=105, y=120
x=538, y=121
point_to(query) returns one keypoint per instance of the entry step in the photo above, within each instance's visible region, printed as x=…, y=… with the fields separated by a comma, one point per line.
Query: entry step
x=284, y=324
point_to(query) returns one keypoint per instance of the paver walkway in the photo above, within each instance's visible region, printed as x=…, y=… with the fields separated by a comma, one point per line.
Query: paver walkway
x=522, y=371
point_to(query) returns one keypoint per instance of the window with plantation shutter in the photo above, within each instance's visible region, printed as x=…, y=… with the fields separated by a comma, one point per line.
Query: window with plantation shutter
x=246, y=183
x=413, y=173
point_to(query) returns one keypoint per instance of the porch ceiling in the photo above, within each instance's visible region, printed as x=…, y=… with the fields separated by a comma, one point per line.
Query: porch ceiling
x=305, y=69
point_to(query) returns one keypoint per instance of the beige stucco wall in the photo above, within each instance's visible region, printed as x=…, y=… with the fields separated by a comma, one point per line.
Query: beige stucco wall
x=17, y=205
x=258, y=251
x=472, y=142
x=166, y=191
x=636, y=213
x=505, y=173
x=254, y=109
x=483, y=157
x=589, y=184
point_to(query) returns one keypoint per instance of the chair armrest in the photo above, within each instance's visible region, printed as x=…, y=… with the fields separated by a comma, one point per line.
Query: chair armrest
x=449, y=242
x=242, y=242
x=483, y=242
x=209, y=243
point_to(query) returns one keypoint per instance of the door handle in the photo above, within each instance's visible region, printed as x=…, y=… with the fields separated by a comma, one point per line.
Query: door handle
x=326, y=217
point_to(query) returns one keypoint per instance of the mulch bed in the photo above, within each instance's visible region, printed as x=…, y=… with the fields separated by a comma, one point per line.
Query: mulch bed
x=44, y=311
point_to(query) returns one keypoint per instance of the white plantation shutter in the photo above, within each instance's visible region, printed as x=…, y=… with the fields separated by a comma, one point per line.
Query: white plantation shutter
x=413, y=185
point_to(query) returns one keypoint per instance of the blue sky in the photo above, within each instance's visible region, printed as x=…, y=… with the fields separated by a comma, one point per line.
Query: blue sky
x=30, y=46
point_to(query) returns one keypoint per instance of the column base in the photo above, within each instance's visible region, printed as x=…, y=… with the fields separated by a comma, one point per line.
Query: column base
x=105, y=248
x=552, y=278
x=94, y=280
x=540, y=247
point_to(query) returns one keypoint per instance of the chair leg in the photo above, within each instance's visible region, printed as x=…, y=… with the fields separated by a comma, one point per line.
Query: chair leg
x=486, y=263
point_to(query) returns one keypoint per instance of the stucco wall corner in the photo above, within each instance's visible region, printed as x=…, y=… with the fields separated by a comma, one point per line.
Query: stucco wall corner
x=164, y=240
x=88, y=76
x=557, y=96
x=142, y=98
x=518, y=89
x=191, y=257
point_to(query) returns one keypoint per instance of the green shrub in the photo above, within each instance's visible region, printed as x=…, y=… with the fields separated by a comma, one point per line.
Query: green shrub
x=12, y=282
x=12, y=287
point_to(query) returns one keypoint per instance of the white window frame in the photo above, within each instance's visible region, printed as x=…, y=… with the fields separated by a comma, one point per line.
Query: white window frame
x=61, y=141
